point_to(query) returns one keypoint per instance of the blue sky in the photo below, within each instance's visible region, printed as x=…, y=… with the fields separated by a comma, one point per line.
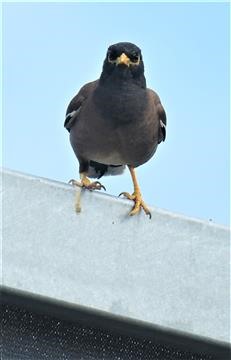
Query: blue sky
x=51, y=49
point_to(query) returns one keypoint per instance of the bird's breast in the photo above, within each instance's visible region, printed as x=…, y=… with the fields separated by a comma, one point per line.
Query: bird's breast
x=114, y=128
x=121, y=104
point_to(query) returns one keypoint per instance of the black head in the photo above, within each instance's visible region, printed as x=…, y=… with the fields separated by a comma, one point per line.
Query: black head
x=124, y=61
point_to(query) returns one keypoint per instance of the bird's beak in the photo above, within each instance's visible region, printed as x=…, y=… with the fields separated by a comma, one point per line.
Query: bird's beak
x=123, y=59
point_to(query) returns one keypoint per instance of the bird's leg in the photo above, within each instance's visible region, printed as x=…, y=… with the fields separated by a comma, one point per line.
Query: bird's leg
x=136, y=196
x=86, y=183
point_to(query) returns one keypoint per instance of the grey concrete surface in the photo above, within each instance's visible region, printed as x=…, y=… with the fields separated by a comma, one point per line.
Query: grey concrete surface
x=171, y=270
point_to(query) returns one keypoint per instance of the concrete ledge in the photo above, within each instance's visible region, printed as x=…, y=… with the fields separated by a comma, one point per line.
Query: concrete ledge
x=171, y=271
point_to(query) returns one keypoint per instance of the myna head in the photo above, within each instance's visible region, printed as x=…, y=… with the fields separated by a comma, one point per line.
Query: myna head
x=123, y=60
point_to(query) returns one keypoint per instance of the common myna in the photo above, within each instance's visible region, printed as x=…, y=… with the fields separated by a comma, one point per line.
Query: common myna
x=116, y=121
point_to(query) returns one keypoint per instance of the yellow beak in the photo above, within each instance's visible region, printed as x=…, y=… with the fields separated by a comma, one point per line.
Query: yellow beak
x=123, y=59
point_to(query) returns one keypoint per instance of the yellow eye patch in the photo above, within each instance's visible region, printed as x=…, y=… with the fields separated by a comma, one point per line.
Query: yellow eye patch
x=124, y=59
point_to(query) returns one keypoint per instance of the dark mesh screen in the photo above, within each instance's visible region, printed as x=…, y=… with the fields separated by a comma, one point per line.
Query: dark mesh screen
x=30, y=335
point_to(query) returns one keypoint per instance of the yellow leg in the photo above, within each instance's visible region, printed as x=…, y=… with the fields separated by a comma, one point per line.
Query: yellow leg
x=136, y=196
x=84, y=183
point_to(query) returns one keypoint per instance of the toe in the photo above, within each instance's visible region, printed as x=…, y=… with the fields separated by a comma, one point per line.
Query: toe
x=135, y=210
x=146, y=209
x=74, y=182
x=137, y=207
x=127, y=195
x=99, y=186
x=147, y=212
x=96, y=185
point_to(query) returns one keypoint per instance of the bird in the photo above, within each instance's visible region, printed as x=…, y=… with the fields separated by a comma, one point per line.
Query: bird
x=116, y=121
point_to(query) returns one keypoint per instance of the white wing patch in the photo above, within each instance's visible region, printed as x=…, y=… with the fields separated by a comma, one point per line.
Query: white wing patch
x=162, y=124
x=71, y=114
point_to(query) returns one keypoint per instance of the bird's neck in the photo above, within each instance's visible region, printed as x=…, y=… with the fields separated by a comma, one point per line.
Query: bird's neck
x=123, y=101
x=122, y=79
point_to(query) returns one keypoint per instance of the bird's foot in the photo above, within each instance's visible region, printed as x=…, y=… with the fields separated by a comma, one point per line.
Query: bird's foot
x=87, y=184
x=139, y=203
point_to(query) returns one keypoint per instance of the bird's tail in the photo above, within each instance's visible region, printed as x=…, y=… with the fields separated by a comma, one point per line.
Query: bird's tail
x=97, y=170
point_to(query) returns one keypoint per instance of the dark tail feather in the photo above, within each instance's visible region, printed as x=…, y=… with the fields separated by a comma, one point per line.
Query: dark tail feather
x=97, y=170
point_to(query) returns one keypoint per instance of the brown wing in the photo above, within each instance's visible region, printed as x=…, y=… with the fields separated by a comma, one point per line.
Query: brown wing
x=161, y=115
x=76, y=103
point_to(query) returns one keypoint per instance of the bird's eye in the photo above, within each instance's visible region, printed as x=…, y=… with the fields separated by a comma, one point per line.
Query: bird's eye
x=135, y=57
x=112, y=56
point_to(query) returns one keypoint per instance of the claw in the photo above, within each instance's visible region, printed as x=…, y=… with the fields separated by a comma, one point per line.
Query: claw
x=139, y=203
x=96, y=185
x=127, y=195
x=86, y=184
x=137, y=207
x=74, y=182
